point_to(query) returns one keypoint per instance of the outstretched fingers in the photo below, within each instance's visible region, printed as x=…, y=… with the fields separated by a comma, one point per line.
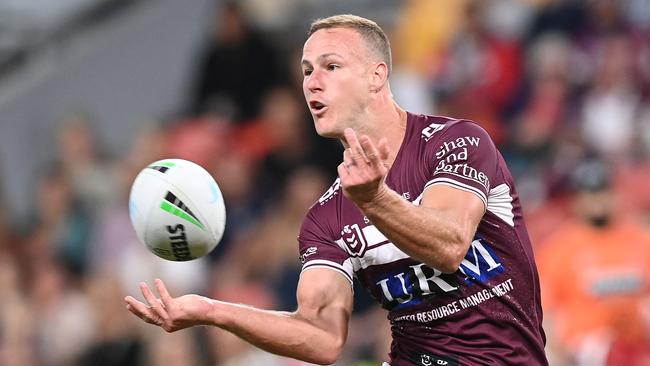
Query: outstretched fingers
x=371, y=152
x=164, y=294
x=139, y=309
x=384, y=151
x=348, y=161
x=156, y=306
x=357, y=153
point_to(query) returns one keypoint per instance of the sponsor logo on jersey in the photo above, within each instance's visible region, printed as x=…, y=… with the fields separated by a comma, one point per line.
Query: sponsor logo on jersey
x=475, y=299
x=464, y=171
x=453, y=157
x=428, y=359
x=480, y=263
x=409, y=287
x=310, y=251
x=428, y=131
x=461, y=142
x=331, y=192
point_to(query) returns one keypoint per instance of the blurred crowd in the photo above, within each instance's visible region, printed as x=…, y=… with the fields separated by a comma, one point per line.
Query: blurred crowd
x=563, y=87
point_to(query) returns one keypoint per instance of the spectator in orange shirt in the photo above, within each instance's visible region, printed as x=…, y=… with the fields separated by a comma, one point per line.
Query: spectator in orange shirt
x=595, y=277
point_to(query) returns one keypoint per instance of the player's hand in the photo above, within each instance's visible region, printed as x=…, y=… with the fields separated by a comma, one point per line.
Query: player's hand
x=364, y=168
x=169, y=313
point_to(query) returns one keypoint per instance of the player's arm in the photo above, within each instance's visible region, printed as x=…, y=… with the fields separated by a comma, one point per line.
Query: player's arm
x=438, y=232
x=315, y=332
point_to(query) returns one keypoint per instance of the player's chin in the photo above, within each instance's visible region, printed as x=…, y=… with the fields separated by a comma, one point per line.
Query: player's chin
x=326, y=127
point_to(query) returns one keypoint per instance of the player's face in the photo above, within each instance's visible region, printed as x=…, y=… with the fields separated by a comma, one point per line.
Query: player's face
x=336, y=79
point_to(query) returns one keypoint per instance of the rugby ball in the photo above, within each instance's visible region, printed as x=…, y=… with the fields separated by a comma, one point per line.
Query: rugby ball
x=177, y=209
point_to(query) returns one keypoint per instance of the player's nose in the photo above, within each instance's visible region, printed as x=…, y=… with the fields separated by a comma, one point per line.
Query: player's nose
x=313, y=83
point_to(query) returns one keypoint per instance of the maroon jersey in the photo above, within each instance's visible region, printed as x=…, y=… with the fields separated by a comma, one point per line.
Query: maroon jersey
x=486, y=313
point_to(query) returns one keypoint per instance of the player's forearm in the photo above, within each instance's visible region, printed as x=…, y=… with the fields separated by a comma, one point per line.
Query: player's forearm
x=283, y=333
x=431, y=237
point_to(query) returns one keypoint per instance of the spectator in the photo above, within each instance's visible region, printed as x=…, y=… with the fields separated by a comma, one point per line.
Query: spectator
x=595, y=275
x=84, y=163
x=280, y=141
x=611, y=106
x=61, y=225
x=479, y=73
x=116, y=340
x=65, y=317
x=16, y=318
x=237, y=67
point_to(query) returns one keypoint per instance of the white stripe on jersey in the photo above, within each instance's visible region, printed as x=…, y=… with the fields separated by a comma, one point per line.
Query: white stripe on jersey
x=345, y=269
x=458, y=185
x=500, y=203
x=379, y=250
x=373, y=236
x=381, y=254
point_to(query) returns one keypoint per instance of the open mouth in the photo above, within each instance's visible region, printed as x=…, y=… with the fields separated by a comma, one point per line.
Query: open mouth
x=317, y=108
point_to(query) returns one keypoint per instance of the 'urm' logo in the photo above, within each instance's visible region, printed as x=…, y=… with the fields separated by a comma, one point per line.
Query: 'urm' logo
x=178, y=242
x=410, y=286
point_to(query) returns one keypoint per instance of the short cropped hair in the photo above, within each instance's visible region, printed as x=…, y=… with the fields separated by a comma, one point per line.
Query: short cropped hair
x=371, y=33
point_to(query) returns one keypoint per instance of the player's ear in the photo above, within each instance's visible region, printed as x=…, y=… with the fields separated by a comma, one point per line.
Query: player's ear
x=379, y=76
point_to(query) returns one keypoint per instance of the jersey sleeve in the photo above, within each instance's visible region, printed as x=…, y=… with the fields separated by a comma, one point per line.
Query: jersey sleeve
x=319, y=250
x=464, y=157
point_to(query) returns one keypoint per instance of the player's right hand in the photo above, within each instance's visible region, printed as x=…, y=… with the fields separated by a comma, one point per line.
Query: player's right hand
x=364, y=168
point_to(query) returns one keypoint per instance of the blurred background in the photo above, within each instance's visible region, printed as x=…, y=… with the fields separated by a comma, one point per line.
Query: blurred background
x=91, y=91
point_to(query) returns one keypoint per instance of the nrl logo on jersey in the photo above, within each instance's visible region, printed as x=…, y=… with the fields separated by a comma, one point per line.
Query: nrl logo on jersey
x=354, y=241
x=428, y=131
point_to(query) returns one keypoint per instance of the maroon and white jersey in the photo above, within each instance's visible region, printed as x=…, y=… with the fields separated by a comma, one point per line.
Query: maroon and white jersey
x=486, y=313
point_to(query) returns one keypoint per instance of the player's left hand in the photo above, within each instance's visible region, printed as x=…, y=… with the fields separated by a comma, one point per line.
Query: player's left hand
x=169, y=313
x=364, y=168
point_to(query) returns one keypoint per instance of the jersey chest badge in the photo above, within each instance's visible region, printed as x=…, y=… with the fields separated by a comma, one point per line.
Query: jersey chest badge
x=353, y=240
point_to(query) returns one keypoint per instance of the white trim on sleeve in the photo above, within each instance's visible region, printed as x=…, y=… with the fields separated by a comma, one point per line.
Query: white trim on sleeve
x=458, y=185
x=345, y=269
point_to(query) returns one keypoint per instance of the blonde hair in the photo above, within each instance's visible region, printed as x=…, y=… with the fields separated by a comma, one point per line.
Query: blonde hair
x=371, y=33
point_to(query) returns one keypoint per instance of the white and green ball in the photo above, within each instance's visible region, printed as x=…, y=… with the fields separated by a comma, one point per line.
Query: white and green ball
x=177, y=209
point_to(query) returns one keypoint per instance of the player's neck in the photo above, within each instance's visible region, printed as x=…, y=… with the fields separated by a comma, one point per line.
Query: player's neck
x=395, y=132
x=389, y=122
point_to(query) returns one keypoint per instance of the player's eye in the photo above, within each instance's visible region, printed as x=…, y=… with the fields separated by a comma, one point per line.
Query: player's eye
x=332, y=67
x=306, y=72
